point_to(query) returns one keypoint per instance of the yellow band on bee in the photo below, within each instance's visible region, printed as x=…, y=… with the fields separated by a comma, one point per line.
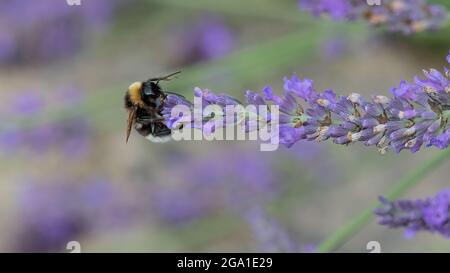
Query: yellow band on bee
x=135, y=92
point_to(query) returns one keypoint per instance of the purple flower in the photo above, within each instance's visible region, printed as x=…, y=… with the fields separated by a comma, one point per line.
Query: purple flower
x=405, y=16
x=406, y=90
x=201, y=118
x=172, y=120
x=431, y=214
x=302, y=88
x=418, y=114
x=442, y=141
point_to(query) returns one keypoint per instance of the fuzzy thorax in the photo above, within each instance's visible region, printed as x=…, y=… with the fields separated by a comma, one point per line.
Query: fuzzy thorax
x=134, y=91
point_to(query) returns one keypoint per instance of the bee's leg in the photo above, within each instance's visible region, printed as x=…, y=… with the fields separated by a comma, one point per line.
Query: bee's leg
x=161, y=130
x=149, y=119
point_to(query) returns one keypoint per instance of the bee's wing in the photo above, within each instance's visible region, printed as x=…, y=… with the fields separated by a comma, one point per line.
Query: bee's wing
x=130, y=122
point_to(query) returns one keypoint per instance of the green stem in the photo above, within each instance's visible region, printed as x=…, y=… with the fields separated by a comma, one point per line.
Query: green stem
x=337, y=239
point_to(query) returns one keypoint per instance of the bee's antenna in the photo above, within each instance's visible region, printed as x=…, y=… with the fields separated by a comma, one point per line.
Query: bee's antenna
x=165, y=78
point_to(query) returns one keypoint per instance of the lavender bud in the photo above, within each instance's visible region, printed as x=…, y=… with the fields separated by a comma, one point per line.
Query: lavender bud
x=380, y=99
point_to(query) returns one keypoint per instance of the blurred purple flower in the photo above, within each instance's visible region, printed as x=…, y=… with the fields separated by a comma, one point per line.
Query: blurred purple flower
x=39, y=139
x=334, y=47
x=10, y=140
x=49, y=219
x=72, y=136
x=52, y=214
x=270, y=235
x=216, y=39
x=337, y=9
x=75, y=136
x=405, y=16
x=239, y=181
x=58, y=41
x=7, y=46
x=431, y=214
x=178, y=206
x=234, y=180
x=27, y=103
x=207, y=39
x=99, y=13
x=48, y=30
x=107, y=205
x=69, y=96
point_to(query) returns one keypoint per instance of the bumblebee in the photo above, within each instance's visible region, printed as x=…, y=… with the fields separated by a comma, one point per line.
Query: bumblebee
x=144, y=102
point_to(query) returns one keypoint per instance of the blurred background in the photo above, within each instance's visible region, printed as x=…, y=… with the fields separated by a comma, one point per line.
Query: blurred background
x=66, y=173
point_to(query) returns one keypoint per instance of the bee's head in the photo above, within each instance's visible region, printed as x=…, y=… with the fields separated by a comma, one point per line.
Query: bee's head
x=150, y=89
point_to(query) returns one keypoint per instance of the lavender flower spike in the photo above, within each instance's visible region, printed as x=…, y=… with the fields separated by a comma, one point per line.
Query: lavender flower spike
x=406, y=16
x=418, y=114
x=213, y=113
x=431, y=214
